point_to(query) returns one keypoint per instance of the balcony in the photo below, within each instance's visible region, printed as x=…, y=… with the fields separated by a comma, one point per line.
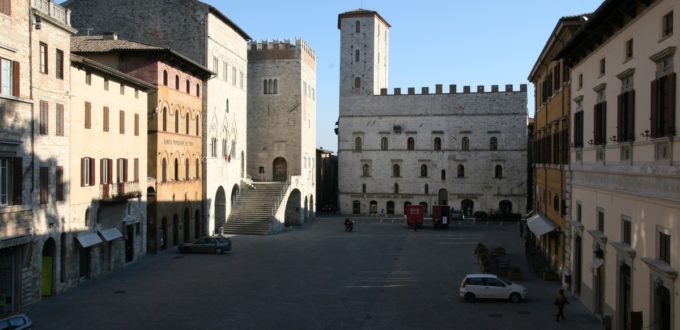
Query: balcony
x=119, y=191
x=52, y=10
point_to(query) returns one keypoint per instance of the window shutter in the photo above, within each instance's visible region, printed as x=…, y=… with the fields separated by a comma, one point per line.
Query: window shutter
x=136, y=169
x=110, y=172
x=16, y=79
x=88, y=115
x=60, y=183
x=653, y=109
x=92, y=172
x=619, y=115
x=603, y=123
x=101, y=170
x=18, y=182
x=631, y=116
x=125, y=170
x=669, y=105
x=44, y=185
x=596, y=123
x=82, y=171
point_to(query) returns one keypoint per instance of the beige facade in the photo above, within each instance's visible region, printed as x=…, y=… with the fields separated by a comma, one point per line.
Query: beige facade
x=626, y=180
x=107, y=227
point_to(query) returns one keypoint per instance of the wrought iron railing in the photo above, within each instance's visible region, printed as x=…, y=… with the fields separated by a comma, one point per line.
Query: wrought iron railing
x=119, y=191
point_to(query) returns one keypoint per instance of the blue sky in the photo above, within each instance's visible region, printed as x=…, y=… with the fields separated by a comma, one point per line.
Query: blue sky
x=481, y=42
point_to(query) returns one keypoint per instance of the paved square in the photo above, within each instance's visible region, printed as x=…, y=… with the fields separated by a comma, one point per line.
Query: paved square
x=382, y=276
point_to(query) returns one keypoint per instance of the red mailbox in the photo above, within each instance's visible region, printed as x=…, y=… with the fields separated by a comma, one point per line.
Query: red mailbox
x=440, y=216
x=414, y=215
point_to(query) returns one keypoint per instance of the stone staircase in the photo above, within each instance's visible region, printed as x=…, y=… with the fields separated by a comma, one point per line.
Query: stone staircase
x=252, y=214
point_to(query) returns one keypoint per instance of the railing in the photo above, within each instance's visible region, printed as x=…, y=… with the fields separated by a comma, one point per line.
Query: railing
x=282, y=192
x=119, y=191
x=49, y=8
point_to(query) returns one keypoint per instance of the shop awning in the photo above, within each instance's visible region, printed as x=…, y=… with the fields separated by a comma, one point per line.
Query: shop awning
x=110, y=234
x=14, y=241
x=88, y=239
x=540, y=225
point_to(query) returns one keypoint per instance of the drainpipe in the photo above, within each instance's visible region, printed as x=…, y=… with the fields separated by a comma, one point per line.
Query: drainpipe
x=30, y=89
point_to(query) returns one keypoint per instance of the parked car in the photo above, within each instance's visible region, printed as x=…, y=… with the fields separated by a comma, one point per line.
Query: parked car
x=210, y=244
x=489, y=286
x=16, y=322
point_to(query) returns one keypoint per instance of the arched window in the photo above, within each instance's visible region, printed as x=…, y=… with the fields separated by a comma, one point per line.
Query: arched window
x=356, y=207
x=186, y=123
x=410, y=143
x=461, y=171
x=443, y=175
x=466, y=144
x=186, y=169
x=357, y=26
x=176, y=121
x=176, y=82
x=198, y=125
x=357, y=82
x=437, y=144
x=427, y=189
x=357, y=143
x=493, y=143
x=265, y=87
x=198, y=90
x=164, y=170
x=176, y=169
x=365, y=170
x=499, y=172
x=198, y=169
x=276, y=86
x=396, y=170
x=363, y=188
x=188, y=86
x=356, y=55
x=165, y=77
x=396, y=188
x=383, y=143
x=165, y=119
x=423, y=170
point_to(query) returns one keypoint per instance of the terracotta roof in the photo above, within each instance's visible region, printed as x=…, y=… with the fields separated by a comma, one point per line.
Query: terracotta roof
x=77, y=60
x=360, y=12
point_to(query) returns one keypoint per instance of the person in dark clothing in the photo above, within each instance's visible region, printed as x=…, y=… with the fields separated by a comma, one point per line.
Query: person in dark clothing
x=560, y=301
x=349, y=225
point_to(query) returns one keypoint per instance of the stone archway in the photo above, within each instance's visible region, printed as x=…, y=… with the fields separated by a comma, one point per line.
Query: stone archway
x=293, y=215
x=280, y=167
x=443, y=197
x=467, y=206
x=220, y=208
x=47, y=270
x=405, y=205
x=235, y=191
x=505, y=207
x=186, y=225
x=373, y=208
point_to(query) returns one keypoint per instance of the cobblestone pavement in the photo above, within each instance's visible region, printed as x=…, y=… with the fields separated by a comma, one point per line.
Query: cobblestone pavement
x=382, y=276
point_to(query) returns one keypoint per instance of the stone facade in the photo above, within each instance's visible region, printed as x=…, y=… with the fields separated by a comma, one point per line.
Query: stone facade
x=282, y=111
x=206, y=36
x=626, y=179
x=467, y=150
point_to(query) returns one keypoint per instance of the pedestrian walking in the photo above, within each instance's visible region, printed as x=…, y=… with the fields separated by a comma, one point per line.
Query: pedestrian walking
x=560, y=301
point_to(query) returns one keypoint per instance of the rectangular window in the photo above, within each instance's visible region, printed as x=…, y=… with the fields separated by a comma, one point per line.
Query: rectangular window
x=663, y=106
x=578, y=129
x=665, y=247
x=136, y=169
x=240, y=75
x=122, y=89
x=105, y=172
x=44, y=185
x=233, y=76
x=106, y=119
x=226, y=70
x=580, y=80
x=60, y=120
x=59, y=64
x=60, y=183
x=602, y=66
x=43, y=57
x=6, y=77
x=579, y=209
x=121, y=119
x=626, y=231
x=136, y=124
x=626, y=117
x=11, y=181
x=88, y=115
x=44, y=117
x=136, y=93
x=5, y=179
x=600, y=220
x=6, y=7
x=600, y=122
x=87, y=170
x=629, y=49
x=667, y=25
x=88, y=78
x=216, y=65
x=106, y=84
x=122, y=170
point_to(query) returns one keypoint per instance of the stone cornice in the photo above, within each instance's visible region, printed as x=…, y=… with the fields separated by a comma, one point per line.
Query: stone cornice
x=661, y=267
x=623, y=249
x=647, y=185
x=598, y=235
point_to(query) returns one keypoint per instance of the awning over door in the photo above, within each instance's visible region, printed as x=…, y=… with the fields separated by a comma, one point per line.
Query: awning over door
x=110, y=234
x=540, y=225
x=88, y=239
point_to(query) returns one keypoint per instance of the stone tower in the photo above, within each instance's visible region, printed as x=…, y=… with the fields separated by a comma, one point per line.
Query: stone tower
x=364, y=53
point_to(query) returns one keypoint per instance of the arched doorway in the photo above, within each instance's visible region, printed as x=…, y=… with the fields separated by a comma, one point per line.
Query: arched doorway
x=467, y=206
x=390, y=207
x=197, y=224
x=356, y=207
x=405, y=205
x=47, y=270
x=280, y=169
x=175, y=229
x=220, y=208
x=373, y=208
x=424, y=204
x=187, y=225
x=164, y=233
x=234, y=195
x=306, y=209
x=312, y=207
x=293, y=215
x=443, y=197
x=505, y=207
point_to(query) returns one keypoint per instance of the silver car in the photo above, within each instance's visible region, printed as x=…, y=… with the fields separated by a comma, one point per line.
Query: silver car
x=16, y=322
x=217, y=245
x=489, y=286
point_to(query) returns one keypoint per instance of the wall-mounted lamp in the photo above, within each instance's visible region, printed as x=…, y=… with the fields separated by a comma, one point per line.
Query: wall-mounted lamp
x=613, y=139
x=646, y=134
x=38, y=22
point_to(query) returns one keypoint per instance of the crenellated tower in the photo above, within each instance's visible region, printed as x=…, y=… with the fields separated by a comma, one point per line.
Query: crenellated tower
x=364, y=52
